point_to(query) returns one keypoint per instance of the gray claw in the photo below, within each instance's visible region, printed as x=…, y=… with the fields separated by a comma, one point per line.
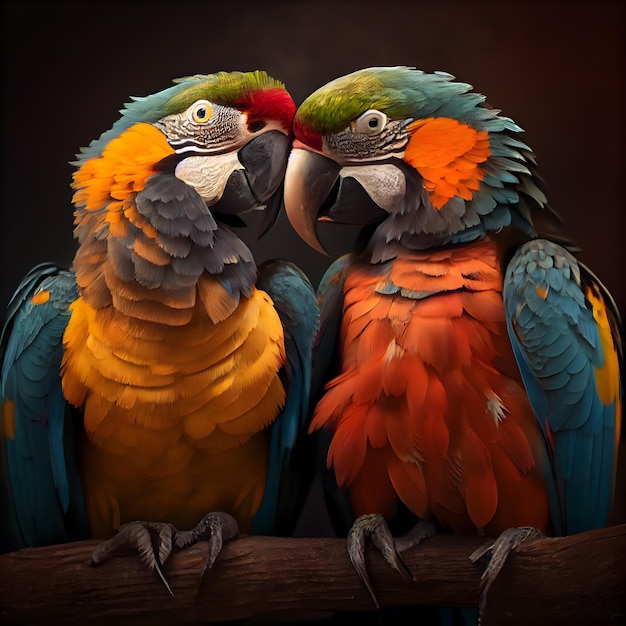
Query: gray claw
x=500, y=549
x=216, y=528
x=375, y=527
x=154, y=541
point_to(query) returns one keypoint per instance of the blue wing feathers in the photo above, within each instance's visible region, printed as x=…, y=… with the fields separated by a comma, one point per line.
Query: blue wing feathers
x=558, y=345
x=57, y=445
x=287, y=487
x=330, y=300
x=41, y=487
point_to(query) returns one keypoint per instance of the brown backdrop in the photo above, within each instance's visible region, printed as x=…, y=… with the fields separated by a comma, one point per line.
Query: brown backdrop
x=556, y=68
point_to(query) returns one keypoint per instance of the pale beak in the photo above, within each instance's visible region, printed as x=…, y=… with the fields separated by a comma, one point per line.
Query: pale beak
x=309, y=180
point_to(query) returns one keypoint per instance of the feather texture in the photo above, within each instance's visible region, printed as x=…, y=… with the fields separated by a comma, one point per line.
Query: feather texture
x=156, y=381
x=475, y=365
x=431, y=383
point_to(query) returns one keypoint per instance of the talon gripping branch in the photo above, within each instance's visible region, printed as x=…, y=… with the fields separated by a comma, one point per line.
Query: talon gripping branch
x=471, y=363
x=165, y=376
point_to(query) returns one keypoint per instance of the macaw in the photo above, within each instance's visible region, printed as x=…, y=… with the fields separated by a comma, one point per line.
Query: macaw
x=164, y=378
x=471, y=364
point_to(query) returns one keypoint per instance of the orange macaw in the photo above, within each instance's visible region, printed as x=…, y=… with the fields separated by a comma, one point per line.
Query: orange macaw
x=472, y=365
x=165, y=377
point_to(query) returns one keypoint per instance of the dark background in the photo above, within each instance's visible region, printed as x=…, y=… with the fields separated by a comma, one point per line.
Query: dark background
x=556, y=68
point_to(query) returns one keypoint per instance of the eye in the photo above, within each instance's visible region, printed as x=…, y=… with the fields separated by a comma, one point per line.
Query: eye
x=371, y=122
x=201, y=111
x=256, y=126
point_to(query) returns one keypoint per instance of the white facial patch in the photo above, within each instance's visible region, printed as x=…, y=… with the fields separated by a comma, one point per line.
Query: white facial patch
x=384, y=183
x=208, y=175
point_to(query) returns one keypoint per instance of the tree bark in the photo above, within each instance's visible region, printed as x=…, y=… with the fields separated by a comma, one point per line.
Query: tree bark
x=579, y=579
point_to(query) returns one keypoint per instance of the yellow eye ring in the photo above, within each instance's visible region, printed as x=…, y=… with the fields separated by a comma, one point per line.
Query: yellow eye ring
x=201, y=111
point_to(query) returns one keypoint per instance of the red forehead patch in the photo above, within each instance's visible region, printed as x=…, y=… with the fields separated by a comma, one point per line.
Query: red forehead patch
x=275, y=104
x=307, y=136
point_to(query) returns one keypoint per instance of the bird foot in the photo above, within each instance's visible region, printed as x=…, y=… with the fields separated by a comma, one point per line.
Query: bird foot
x=155, y=541
x=500, y=549
x=375, y=528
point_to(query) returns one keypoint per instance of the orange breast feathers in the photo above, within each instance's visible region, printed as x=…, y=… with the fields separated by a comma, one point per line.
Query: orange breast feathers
x=202, y=384
x=429, y=407
x=174, y=415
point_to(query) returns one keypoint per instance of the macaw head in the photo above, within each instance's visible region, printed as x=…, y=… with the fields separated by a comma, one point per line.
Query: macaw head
x=160, y=194
x=418, y=157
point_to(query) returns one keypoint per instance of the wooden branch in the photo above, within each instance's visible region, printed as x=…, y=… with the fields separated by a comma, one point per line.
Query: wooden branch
x=572, y=580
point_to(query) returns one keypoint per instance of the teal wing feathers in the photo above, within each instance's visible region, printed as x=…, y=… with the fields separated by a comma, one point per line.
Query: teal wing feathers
x=40, y=486
x=291, y=470
x=565, y=331
x=330, y=301
x=325, y=367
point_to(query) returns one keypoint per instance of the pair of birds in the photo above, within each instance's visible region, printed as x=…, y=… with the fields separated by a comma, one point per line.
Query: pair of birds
x=460, y=365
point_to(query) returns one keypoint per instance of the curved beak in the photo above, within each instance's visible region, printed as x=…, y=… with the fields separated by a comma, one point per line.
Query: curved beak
x=318, y=189
x=264, y=160
x=309, y=180
x=256, y=183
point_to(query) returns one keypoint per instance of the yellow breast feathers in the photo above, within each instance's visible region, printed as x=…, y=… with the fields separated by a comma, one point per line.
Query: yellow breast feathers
x=212, y=384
